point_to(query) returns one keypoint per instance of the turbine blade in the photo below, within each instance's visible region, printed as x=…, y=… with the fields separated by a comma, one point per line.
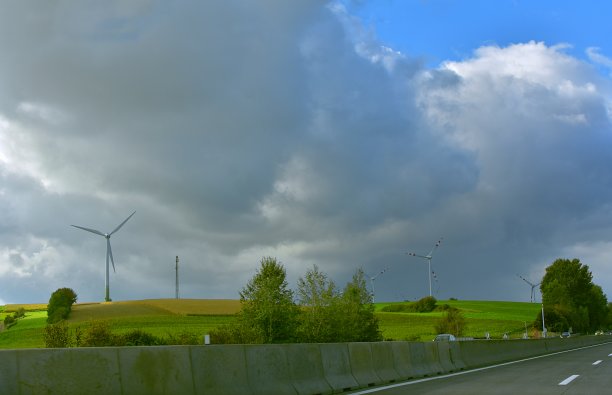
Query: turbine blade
x=121, y=224
x=435, y=246
x=527, y=281
x=417, y=255
x=109, y=252
x=90, y=230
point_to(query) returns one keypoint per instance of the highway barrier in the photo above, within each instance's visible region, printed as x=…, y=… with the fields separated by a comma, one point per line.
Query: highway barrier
x=295, y=369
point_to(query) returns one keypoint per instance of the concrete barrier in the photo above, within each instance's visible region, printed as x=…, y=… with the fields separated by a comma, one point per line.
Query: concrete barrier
x=444, y=356
x=220, y=370
x=306, y=368
x=295, y=369
x=384, y=363
x=9, y=374
x=425, y=356
x=337, y=367
x=402, y=361
x=155, y=370
x=268, y=370
x=362, y=364
x=67, y=371
x=456, y=357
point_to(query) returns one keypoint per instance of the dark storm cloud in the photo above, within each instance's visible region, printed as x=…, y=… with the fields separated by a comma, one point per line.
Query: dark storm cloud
x=237, y=131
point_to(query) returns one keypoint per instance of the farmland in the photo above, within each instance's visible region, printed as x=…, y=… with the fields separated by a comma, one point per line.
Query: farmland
x=162, y=317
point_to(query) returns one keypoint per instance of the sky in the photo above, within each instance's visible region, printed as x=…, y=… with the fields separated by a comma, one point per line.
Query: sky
x=341, y=134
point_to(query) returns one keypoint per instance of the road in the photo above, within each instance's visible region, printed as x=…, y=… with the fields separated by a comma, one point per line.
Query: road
x=583, y=371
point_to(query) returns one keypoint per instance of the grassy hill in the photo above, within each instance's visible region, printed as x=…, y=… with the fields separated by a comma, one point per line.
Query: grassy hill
x=161, y=317
x=496, y=318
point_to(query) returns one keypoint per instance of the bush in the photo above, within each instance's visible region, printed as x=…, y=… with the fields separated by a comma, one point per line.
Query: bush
x=98, y=334
x=19, y=313
x=425, y=305
x=57, y=336
x=453, y=323
x=182, y=339
x=138, y=337
x=60, y=305
x=8, y=321
x=397, y=308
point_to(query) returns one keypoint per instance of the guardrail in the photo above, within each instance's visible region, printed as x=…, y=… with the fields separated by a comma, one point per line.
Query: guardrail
x=294, y=369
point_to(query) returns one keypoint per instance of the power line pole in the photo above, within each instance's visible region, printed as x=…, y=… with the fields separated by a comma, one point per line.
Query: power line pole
x=177, y=278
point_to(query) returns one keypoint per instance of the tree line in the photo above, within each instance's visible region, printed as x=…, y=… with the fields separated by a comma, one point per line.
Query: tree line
x=572, y=302
x=319, y=313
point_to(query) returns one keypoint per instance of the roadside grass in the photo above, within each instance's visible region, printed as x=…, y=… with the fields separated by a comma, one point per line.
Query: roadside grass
x=166, y=317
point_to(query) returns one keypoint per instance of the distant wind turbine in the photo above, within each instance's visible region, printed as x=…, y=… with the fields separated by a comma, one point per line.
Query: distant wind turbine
x=374, y=278
x=428, y=257
x=532, y=286
x=109, y=251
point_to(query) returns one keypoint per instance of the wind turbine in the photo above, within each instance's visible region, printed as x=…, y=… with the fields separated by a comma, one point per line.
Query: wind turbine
x=532, y=286
x=374, y=278
x=109, y=251
x=428, y=257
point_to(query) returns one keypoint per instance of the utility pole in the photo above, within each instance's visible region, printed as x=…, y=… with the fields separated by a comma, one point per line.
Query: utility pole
x=177, y=278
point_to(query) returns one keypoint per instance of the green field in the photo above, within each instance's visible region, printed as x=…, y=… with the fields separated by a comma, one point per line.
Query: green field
x=496, y=318
x=162, y=317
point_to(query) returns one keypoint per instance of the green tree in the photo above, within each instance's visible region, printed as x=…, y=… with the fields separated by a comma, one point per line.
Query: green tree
x=60, y=304
x=453, y=322
x=572, y=299
x=267, y=304
x=318, y=298
x=356, y=312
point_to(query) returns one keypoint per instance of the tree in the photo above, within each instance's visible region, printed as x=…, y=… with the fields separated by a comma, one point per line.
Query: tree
x=453, y=322
x=267, y=304
x=319, y=299
x=571, y=298
x=60, y=305
x=356, y=312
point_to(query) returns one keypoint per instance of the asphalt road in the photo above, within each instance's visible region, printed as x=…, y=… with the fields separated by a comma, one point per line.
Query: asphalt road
x=583, y=371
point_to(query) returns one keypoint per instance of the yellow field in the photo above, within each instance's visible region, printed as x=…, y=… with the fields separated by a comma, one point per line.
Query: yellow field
x=9, y=308
x=152, y=307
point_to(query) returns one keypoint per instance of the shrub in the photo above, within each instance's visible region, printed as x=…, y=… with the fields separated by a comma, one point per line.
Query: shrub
x=397, y=308
x=98, y=334
x=425, y=305
x=19, y=313
x=57, y=335
x=182, y=339
x=453, y=322
x=8, y=321
x=60, y=305
x=139, y=337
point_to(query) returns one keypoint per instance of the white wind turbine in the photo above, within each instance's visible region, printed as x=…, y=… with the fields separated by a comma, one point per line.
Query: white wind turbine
x=374, y=278
x=428, y=257
x=109, y=251
x=532, y=286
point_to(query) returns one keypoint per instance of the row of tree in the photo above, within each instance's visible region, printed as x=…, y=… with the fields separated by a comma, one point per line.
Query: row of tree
x=320, y=312
x=571, y=300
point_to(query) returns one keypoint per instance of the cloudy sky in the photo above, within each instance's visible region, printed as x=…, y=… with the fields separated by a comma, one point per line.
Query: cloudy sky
x=341, y=134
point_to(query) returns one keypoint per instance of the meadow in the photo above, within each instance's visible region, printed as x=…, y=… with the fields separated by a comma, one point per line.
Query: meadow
x=163, y=317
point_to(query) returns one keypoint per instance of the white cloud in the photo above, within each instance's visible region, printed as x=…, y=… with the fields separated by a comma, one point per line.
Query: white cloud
x=596, y=57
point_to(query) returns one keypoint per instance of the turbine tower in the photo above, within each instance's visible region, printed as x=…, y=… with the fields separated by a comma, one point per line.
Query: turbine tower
x=374, y=278
x=109, y=251
x=428, y=257
x=532, y=286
